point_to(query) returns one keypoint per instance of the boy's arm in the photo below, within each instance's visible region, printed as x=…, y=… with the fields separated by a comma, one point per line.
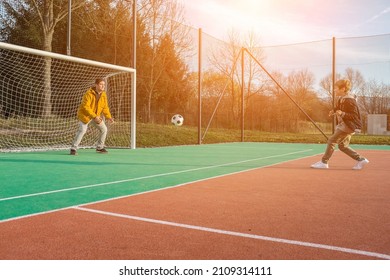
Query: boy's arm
x=351, y=110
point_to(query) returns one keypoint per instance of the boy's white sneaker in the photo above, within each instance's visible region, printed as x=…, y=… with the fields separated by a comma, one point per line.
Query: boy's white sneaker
x=359, y=165
x=320, y=165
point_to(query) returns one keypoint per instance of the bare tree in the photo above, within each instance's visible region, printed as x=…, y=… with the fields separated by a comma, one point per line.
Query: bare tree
x=49, y=14
x=375, y=98
x=161, y=18
x=226, y=59
x=300, y=86
x=356, y=78
x=256, y=80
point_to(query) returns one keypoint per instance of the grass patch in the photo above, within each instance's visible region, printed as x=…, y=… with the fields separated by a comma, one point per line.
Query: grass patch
x=152, y=135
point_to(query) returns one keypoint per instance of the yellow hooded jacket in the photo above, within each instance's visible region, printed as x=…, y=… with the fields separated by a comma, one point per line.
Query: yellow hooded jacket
x=92, y=106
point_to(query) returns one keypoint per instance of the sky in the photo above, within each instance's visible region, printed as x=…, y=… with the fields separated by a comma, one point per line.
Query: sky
x=278, y=22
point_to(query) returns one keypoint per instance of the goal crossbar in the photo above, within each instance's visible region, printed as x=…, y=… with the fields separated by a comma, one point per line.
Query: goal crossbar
x=65, y=57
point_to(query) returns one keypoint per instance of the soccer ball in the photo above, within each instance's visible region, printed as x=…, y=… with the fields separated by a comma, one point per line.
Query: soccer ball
x=177, y=120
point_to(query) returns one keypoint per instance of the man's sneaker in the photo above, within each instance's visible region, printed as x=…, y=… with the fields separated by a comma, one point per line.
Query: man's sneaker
x=73, y=152
x=102, y=151
x=359, y=165
x=320, y=165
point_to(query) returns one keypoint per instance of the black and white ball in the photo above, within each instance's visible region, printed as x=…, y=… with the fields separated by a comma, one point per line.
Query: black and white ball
x=177, y=120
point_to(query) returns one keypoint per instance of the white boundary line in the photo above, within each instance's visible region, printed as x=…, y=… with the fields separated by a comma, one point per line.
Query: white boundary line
x=150, y=191
x=239, y=234
x=148, y=177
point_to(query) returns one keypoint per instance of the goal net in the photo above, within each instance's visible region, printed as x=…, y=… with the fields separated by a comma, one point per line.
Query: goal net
x=40, y=93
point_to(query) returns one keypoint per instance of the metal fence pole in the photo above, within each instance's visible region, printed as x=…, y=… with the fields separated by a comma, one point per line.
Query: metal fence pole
x=200, y=87
x=333, y=80
x=242, y=94
x=69, y=27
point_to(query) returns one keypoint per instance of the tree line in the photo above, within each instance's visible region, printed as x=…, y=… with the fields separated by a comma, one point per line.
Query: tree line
x=102, y=31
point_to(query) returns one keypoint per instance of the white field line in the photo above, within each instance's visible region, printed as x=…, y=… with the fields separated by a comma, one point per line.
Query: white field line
x=146, y=192
x=148, y=177
x=239, y=234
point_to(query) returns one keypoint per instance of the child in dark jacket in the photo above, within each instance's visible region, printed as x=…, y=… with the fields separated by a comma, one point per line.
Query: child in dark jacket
x=349, y=122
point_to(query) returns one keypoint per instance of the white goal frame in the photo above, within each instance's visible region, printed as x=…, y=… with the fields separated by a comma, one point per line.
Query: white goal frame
x=132, y=71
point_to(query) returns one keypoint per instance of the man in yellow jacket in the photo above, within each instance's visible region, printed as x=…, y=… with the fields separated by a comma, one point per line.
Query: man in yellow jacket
x=93, y=105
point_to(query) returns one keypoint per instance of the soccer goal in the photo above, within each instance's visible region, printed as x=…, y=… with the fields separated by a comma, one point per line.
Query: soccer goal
x=40, y=93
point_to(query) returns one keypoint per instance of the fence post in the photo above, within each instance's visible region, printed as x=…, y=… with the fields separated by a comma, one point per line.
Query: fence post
x=242, y=94
x=333, y=80
x=68, y=35
x=200, y=87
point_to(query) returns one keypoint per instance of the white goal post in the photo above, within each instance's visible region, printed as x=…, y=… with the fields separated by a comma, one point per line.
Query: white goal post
x=41, y=91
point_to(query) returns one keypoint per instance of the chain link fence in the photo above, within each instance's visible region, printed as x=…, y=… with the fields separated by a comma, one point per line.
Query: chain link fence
x=236, y=92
